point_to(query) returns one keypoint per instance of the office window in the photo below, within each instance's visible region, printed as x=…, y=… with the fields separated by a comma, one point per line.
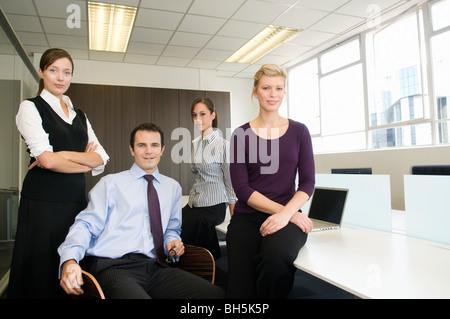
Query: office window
x=342, y=101
x=439, y=14
x=396, y=86
x=328, y=97
x=303, y=94
x=394, y=93
x=441, y=73
x=440, y=52
x=400, y=136
x=340, y=57
x=339, y=143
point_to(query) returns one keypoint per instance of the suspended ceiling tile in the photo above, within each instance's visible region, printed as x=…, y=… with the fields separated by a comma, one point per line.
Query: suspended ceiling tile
x=190, y=39
x=201, y=24
x=158, y=19
x=267, y=11
x=169, y=5
x=150, y=35
x=215, y=8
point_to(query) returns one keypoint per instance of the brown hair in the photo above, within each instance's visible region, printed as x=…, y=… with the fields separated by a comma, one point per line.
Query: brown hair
x=149, y=127
x=209, y=104
x=47, y=59
x=268, y=70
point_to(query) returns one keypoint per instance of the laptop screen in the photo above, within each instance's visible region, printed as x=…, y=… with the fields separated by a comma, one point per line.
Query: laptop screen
x=328, y=204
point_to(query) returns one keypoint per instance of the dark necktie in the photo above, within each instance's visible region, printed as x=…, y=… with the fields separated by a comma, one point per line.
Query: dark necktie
x=155, y=220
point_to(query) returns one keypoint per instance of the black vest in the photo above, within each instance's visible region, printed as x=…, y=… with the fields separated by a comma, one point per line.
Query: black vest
x=46, y=185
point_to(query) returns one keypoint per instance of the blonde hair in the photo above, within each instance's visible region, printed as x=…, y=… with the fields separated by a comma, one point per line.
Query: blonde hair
x=268, y=70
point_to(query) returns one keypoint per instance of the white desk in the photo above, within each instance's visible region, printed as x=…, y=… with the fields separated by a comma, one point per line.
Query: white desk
x=376, y=264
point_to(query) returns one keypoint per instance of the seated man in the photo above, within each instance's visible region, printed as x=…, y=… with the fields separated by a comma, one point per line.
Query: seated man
x=114, y=230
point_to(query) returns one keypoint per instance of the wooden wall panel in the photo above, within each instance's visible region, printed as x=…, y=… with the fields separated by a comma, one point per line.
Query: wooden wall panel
x=115, y=110
x=166, y=114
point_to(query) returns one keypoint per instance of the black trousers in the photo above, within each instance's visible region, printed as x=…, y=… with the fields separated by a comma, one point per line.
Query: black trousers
x=199, y=226
x=41, y=228
x=136, y=276
x=261, y=267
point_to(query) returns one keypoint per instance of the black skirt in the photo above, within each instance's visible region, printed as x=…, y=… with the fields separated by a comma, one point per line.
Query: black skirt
x=41, y=228
x=199, y=226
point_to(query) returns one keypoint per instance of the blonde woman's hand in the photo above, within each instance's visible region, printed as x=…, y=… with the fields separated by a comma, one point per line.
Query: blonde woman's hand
x=274, y=223
x=302, y=221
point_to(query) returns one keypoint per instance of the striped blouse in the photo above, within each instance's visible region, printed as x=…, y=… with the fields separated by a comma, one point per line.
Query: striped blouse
x=210, y=165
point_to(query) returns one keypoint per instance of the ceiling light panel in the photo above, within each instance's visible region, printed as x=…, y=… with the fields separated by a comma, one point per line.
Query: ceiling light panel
x=263, y=43
x=110, y=26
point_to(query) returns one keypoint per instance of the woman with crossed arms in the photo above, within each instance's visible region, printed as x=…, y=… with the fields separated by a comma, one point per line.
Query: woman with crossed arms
x=63, y=147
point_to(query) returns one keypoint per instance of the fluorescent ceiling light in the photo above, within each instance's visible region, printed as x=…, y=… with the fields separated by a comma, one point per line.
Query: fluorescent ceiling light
x=263, y=43
x=110, y=26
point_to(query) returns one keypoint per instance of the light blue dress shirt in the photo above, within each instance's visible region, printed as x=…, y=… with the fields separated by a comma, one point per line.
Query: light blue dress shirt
x=116, y=220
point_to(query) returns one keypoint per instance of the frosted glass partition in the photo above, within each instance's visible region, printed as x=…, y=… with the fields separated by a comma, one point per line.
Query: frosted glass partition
x=427, y=207
x=368, y=202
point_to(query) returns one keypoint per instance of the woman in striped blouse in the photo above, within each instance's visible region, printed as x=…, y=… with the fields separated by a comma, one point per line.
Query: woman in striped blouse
x=212, y=190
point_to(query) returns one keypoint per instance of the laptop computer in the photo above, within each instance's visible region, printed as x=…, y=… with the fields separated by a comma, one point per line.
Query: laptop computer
x=327, y=207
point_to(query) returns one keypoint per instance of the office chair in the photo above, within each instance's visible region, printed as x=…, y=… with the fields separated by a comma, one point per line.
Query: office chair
x=430, y=170
x=91, y=287
x=196, y=260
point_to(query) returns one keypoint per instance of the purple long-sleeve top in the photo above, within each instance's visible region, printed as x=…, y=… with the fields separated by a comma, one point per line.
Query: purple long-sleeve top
x=270, y=166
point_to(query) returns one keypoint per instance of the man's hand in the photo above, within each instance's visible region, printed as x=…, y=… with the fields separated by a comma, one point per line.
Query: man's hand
x=71, y=278
x=175, y=248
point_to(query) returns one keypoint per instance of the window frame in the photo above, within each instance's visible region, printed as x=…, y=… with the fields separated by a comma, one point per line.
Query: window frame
x=426, y=34
x=429, y=35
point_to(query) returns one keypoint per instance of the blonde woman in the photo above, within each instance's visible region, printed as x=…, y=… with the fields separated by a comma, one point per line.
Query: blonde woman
x=267, y=228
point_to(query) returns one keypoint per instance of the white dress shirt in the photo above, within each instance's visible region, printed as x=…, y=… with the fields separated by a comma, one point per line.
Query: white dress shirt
x=29, y=124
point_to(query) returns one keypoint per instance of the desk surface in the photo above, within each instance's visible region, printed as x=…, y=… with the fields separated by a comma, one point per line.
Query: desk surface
x=377, y=264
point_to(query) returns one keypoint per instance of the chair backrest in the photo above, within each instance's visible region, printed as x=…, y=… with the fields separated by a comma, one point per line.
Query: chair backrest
x=196, y=260
x=430, y=170
x=91, y=287
x=199, y=261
